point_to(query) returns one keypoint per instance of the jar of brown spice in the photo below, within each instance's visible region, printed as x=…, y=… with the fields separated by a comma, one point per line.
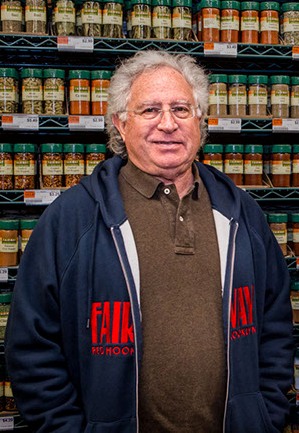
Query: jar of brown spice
x=278, y=225
x=6, y=166
x=218, y=95
x=213, y=155
x=295, y=165
x=233, y=162
x=73, y=163
x=250, y=24
x=230, y=21
x=237, y=95
x=280, y=95
x=257, y=95
x=294, y=97
x=9, y=230
x=24, y=166
x=295, y=233
x=295, y=300
x=253, y=164
x=52, y=165
x=95, y=153
x=281, y=165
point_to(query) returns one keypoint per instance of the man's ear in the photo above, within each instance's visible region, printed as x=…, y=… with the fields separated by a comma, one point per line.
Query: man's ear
x=120, y=125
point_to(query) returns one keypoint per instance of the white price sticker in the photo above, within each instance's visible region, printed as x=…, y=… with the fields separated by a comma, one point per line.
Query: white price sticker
x=7, y=423
x=217, y=124
x=40, y=196
x=75, y=43
x=86, y=122
x=285, y=125
x=4, y=274
x=220, y=49
x=20, y=121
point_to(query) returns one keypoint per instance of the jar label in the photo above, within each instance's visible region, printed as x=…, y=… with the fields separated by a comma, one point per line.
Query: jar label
x=3, y=319
x=290, y=24
x=214, y=163
x=24, y=242
x=211, y=21
x=8, y=245
x=11, y=13
x=90, y=165
x=295, y=98
x=253, y=167
x=280, y=97
x=7, y=389
x=35, y=13
x=257, y=97
x=32, y=93
x=233, y=166
x=249, y=23
x=141, y=18
x=269, y=24
x=99, y=95
x=217, y=97
x=79, y=93
x=54, y=93
x=295, y=166
x=181, y=20
x=74, y=167
x=281, y=236
x=237, y=97
x=7, y=93
x=230, y=23
x=91, y=16
x=64, y=15
x=280, y=167
x=296, y=236
x=6, y=167
x=112, y=17
x=160, y=19
x=295, y=302
x=52, y=168
x=23, y=167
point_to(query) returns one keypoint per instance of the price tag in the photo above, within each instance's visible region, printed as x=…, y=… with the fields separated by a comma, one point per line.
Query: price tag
x=6, y=423
x=220, y=49
x=295, y=52
x=86, y=122
x=224, y=125
x=297, y=263
x=40, y=196
x=75, y=43
x=3, y=274
x=285, y=125
x=20, y=121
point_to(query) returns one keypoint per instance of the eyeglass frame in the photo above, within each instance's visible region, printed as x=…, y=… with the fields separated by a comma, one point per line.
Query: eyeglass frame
x=170, y=110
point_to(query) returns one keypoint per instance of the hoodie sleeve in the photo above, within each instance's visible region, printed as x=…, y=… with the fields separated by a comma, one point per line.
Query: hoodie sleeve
x=44, y=393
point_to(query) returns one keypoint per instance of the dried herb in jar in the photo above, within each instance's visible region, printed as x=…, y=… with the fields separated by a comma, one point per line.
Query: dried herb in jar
x=52, y=165
x=182, y=20
x=112, y=18
x=64, y=18
x=73, y=163
x=161, y=19
x=54, y=91
x=32, y=91
x=8, y=90
x=11, y=16
x=141, y=19
x=24, y=166
x=290, y=23
x=91, y=16
x=35, y=16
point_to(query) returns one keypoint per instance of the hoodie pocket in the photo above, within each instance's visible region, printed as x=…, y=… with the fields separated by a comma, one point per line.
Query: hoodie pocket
x=124, y=426
x=247, y=413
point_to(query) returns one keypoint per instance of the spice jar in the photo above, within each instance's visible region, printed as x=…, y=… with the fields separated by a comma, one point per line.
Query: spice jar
x=6, y=166
x=210, y=15
x=280, y=95
x=64, y=18
x=182, y=20
x=79, y=94
x=253, y=164
x=91, y=16
x=218, y=95
x=78, y=23
x=294, y=111
x=24, y=166
x=113, y=18
x=278, y=225
x=257, y=95
x=295, y=301
x=290, y=20
x=32, y=91
x=100, y=82
x=197, y=21
x=11, y=16
x=281, y=165
x=5, y=301
x=267, y=159
x=8, y=90
x=95, y=153
x=141, y=17
x=35, y=16
x=230, y=21
x=73, y=163
x=250, y=24
x=213, y=155
x=269, y=22
x=237, y=95
x=161, y=19
x=233, y=162
x=54, y=91
x=295, y=233
x=10, y=403
x=26, y=229
x=9, y=230
x=127, y=20
x=295, y=165
x=52, y=165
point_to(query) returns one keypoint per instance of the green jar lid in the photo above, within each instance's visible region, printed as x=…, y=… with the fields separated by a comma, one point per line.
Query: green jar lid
x=210, y=4
x=28, y=224
x=5, y=298
x=230, y=5
x=54, y=73
x=183, y=3
x=213, y=148
x=234, y=148
x=163, y=3
x=279, y=79
x=218, y=78
x=32, y=73
x=277, y=217
x=113, y=1
x=95, y=148
x=270, y=6
x=253, y=148
x=294, y=217
x=83, y=74
x=101, y=75
x=295, y=148
x=258, y=79
x=295, y=80
x=140, y=2
x=7, y=224
x=253, y=6
x=281, y=148
x=51, y=148
x=9, y=72
x=73, y=148
x=295, y=287
x=237, y=79
x=5, y=147
x=286, y=7
x=24, y=148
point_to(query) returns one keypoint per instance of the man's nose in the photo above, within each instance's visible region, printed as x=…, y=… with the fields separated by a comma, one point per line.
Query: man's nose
x=167, y=121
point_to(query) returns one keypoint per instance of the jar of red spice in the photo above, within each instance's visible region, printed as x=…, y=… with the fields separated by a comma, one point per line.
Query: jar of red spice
x=295, y=165
x=269, y=22
x=100, y=82
x=295, y=233
x=281, y=165
x=233, y=162
x=9, y=230
x=253, y=164
x=278, y=225
x=230, y=21
x=250, y=24
x=213, y=155
x=210, y=14
x=79, y=92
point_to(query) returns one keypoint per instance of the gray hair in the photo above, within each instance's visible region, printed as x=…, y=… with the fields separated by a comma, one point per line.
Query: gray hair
x=125, y=75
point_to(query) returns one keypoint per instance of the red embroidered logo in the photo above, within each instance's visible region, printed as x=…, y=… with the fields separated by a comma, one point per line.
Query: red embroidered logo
x=241, y=315
x=112, y=329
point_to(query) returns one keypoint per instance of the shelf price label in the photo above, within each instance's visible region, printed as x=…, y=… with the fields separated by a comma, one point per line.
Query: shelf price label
x=3, y=274
x=86, y=123
x=285, y=125
x=217, y=124
x=6, y=423
x=40, y=196
x=220, y=49
x=295, y=52
x=20, y=121
x=75, y=43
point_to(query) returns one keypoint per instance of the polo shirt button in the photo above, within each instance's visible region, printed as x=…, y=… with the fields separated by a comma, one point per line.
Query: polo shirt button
x=181, y=218
x=166, y=191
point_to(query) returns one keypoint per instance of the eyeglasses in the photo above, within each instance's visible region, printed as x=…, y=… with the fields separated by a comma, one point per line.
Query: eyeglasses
x=180, y=111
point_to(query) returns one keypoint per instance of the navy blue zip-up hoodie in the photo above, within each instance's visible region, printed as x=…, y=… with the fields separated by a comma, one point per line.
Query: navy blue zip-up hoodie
x=74, y=343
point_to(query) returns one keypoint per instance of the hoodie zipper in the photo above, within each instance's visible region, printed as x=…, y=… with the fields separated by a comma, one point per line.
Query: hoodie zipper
x=234, y=229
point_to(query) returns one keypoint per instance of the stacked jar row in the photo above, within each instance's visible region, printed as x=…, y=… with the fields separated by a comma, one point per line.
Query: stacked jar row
x=245, y=165
x=285, y=227
x=43, y=91
x=56, y=165
x=254, y=95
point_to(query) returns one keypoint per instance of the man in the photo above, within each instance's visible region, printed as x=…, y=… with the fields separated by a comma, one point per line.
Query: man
x=152, y=297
